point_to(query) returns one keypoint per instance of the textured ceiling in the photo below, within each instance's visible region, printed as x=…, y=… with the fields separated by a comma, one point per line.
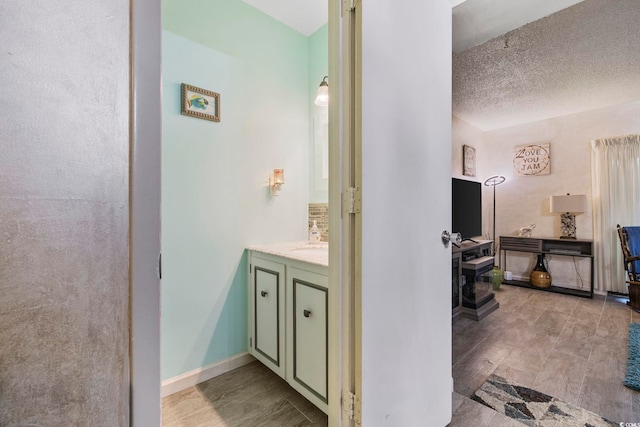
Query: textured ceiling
x=581, y=58
x=476, y=21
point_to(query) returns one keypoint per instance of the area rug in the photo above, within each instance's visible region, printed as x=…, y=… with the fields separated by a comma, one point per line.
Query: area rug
x=532, y=408
x=632, y=380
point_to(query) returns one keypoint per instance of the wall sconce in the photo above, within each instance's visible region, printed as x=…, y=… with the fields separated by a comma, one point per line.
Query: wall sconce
x=322, y=99
x=276, y=180
x=569, y=206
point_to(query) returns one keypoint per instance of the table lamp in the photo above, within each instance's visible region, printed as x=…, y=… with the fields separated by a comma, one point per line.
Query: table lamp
x=568, y=205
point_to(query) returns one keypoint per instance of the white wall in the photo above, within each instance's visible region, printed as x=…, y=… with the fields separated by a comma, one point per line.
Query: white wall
x=462, y=133
x=406, y=203
x=522, y=200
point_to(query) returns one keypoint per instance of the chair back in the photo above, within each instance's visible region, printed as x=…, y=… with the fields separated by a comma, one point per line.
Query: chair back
x=630, y=244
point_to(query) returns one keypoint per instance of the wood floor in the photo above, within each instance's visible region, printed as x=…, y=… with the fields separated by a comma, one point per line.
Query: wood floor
x=572, y=348
x=250, y=396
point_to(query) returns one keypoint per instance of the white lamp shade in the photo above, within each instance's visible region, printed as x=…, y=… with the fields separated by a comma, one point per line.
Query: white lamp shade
x=569, y=203
x=322, y=100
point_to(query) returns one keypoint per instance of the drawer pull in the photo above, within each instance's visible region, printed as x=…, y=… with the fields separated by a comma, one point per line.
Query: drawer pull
x=306, y=313
x=263, y=293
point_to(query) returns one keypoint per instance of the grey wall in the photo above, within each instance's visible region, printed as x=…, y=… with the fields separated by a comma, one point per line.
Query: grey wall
x=64, y=149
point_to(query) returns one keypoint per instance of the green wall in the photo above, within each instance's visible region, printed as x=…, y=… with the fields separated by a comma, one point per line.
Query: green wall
x=214, y=175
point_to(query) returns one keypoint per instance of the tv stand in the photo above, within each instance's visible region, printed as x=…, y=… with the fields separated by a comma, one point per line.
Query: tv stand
x=457, y=245
x=471, y=281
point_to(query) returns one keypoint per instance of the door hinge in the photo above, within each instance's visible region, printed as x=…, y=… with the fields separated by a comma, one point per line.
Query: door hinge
x=348, y=5
x=352, y=201
x=353, y=407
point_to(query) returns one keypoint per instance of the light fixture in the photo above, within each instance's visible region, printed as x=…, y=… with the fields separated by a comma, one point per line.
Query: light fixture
x=568, y=205
x=493, y=181
x=322, y=99
x=276, y=180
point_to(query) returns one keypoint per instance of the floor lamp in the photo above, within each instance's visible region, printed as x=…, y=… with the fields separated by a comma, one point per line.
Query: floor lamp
x=493, y=181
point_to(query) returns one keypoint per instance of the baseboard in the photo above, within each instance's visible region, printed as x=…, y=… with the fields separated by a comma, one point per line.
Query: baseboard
x=191, y=378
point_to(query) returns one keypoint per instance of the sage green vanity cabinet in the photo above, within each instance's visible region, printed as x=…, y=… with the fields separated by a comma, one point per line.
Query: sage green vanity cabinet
x=288, y=324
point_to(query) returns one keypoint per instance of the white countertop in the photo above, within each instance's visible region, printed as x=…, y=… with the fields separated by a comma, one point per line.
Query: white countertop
x=311, y=252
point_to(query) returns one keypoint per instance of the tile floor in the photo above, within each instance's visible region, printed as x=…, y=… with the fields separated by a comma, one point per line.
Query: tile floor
x=572, y=348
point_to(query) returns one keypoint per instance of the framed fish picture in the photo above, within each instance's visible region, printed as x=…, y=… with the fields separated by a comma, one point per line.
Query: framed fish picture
x=200, y=103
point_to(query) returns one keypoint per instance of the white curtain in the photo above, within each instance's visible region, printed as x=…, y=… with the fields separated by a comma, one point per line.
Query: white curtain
x=615, y=183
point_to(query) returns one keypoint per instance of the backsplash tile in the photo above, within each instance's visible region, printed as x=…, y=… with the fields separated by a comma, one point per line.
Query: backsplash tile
x=320, y=212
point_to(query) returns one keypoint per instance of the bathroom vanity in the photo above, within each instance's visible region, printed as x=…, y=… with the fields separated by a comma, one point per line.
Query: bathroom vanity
x=288, y=307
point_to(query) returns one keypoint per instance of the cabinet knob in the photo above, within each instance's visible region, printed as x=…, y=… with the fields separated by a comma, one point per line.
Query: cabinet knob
x=306, y=313
x=263, y=293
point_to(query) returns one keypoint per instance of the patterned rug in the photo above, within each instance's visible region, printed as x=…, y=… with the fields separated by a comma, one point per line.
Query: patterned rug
x=533, y=408
x=632, y=380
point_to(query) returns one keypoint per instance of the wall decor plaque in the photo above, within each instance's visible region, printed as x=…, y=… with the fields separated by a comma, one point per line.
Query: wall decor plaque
x=532, y=159
x=468, y=160
x=200, y=103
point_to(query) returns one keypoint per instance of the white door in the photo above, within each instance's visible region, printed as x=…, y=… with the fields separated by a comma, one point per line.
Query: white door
x=406, y=204
x=144, y=211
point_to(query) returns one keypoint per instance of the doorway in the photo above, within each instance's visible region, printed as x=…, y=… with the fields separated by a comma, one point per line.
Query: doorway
x=406, y=249
x=215, y=175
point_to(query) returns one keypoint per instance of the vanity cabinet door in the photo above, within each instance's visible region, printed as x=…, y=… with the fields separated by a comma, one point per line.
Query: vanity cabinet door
x=307, y=337
x=267, y=314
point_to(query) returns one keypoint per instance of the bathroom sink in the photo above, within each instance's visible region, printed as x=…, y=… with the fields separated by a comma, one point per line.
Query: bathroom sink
x=306, y=251
x=312, y=249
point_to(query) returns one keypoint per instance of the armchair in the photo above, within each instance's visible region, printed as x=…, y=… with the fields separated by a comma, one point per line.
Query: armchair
x=630, y=244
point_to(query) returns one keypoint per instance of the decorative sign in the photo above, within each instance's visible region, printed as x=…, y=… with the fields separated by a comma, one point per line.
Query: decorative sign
x=468, y=160
x=532, y=159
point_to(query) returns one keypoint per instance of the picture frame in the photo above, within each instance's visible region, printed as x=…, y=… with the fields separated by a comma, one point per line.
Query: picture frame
x=468, y=160
x=200, y=103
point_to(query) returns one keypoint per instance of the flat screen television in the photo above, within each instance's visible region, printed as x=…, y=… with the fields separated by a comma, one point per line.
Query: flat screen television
x=466, y=212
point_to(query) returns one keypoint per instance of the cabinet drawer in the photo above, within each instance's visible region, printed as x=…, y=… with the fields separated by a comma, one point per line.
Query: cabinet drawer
x=524, y=244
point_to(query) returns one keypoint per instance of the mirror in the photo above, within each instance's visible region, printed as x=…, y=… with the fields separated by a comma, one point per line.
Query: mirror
x=318, y=118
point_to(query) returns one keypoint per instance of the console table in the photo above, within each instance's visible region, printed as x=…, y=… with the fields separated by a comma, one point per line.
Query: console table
x=471, y=280
x=552, y=246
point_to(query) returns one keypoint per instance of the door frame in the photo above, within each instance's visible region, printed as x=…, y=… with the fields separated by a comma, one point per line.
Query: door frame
x=145, y=222
x=345, y=166
x=145, y=134
x=340, y=300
